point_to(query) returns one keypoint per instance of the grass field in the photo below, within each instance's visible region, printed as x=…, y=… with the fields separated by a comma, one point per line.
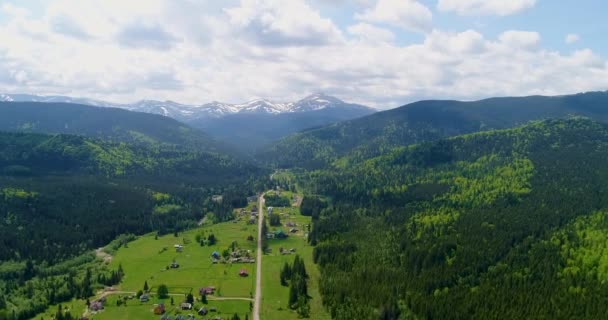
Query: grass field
x=136, y=310
x=275, y=296
x=147, y=258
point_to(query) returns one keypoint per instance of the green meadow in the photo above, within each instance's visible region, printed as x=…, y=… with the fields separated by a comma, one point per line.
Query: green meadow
x=275, y=296
x=148, y=259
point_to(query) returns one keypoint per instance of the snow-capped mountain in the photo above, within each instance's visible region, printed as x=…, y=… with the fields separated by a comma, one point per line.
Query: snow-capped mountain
x=214, y=109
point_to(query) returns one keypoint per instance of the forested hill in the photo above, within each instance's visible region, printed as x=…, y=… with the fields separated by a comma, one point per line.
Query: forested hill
x=106, y=123
x=63, y=195
x=363, y=138
x=32, y=154
x=509, y=224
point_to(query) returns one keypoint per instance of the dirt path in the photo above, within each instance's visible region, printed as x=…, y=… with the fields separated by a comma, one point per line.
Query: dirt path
x=258, y=273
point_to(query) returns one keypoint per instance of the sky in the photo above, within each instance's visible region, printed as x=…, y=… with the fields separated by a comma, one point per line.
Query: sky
x=382, y=53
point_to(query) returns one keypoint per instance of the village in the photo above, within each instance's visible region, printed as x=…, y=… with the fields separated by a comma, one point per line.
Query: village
x=220, y=263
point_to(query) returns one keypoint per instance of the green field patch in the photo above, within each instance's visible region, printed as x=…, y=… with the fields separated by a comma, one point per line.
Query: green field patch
x=275, y=296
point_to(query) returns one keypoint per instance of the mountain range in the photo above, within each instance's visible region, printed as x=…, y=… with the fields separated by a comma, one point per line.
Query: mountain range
x=247, y=126
x=215, y=109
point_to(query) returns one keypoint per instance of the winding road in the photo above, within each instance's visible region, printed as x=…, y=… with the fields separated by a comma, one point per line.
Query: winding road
x=258, y=272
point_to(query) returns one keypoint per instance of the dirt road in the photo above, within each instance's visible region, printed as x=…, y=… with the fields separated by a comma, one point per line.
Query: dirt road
x=258, y=273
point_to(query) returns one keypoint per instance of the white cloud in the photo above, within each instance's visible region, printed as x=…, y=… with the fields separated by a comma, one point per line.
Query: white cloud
x=370, y=33
x=229, y=56
x=485, y=7
x=282, y=23
x=572, y=38
x=407, y=14
x=520, y=39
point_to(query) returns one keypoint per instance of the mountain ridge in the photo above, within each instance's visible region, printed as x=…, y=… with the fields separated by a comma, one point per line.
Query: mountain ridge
x=187, y=113
x=429, y=120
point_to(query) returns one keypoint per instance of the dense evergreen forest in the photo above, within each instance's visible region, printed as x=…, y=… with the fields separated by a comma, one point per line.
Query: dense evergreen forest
x=64, y=195
x=504, y=224
x=110, y=124
x=351, y=142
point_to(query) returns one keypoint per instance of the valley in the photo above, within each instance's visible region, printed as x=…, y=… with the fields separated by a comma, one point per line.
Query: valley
x=454, y=221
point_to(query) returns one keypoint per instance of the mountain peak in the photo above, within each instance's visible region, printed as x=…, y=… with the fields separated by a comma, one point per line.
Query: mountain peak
x=215, y=109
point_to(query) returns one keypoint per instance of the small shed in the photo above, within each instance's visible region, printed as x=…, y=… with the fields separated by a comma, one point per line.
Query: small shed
x=144, y=297
x=203, y=311
x=243, y=273
x=215, y=255
x=159, y=309
x=186, y=306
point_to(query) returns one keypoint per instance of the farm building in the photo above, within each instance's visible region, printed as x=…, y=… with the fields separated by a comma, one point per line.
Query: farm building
x=206, y=291
x=96, y=305
x=159, y=309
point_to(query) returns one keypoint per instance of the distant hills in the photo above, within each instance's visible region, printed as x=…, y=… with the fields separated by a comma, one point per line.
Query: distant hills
x=359, y=139
x=111, y=124
x=193, y=113
x=247, y=125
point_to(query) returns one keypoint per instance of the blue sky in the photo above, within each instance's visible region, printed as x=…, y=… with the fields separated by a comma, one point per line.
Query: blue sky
x=383, y=53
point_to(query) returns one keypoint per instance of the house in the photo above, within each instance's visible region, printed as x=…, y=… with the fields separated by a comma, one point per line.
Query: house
x=243, y=273
x=186, y=306
x=203, y=311
x=96, y=305
x=159, y=308
x=144, y=297
x=217, y=198
x=279, y=234
x=206, y=291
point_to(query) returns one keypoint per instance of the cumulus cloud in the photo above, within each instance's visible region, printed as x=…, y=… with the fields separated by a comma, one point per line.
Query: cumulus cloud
x=283, y=23
x=407, y=14
x=520, y=39
x=572, y=38
x=485, y=7
x=145, y=35
x=368, y=32
x=254, y=49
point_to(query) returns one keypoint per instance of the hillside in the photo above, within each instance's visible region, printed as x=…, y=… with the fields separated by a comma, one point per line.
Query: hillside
x=64, y=195
x=369, y=136
x=106, y=123
x=507, y=224
x=248, y=126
